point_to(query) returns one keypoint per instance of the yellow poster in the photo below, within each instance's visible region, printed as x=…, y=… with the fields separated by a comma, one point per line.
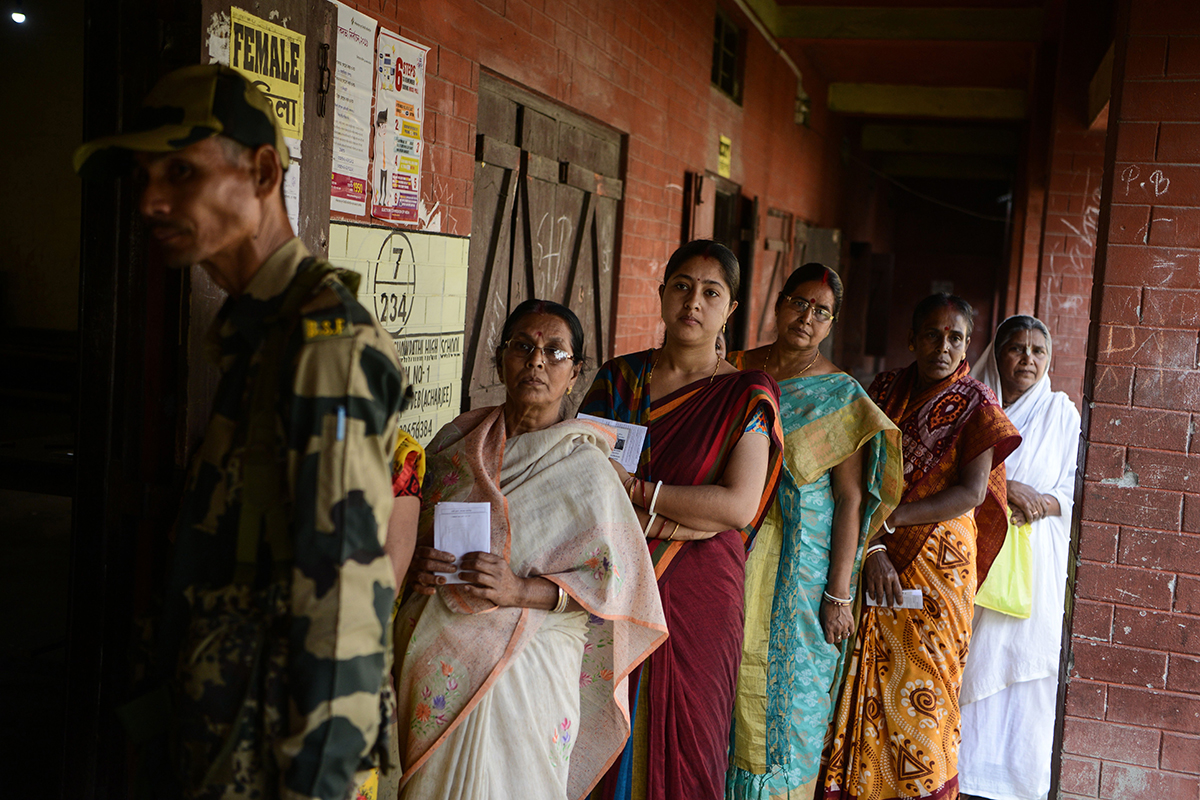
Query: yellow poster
x=724, y=156
x=273, y=57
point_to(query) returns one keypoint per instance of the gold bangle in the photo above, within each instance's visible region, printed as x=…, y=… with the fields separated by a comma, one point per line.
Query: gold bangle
x=674, y=531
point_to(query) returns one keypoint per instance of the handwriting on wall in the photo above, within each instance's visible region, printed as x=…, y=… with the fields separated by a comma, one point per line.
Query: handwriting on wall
x=1156, y=183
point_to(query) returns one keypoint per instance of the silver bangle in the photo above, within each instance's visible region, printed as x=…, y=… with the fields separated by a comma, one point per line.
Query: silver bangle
x=837, y=601
x=873, y=549
x=887, y=528
x=563, y=599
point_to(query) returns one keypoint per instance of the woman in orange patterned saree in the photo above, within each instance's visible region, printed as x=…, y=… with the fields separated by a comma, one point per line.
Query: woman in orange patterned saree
x=896, y=731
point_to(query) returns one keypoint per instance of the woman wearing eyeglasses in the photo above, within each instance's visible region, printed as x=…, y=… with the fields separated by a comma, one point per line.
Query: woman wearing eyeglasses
x=708, y=471
x=842, y=477
x=514, y=684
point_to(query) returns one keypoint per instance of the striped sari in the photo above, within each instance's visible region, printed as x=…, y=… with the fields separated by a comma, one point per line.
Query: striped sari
x=684, y=694
x=896, y=729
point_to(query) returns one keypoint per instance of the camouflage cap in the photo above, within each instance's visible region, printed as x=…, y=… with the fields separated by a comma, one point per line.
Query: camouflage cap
x=187, y=106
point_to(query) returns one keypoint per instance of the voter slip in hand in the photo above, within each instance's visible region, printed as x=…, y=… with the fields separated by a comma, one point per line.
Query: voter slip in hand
x=911, y=599
x=461, y=528
x=630, y=437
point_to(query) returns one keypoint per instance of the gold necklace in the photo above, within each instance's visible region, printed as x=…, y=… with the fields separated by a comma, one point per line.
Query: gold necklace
x=650, y=374
x=816, y=355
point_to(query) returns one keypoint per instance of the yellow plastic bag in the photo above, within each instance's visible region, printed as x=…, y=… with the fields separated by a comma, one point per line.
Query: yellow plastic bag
x=1009, y=585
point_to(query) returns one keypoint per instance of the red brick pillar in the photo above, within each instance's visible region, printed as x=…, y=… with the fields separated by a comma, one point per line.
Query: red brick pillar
x=1132, y=720
x=1068, y=244
x=1072, y=198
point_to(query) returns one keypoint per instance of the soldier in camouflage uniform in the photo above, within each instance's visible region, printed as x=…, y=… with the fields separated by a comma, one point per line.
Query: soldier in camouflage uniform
x=277, y=611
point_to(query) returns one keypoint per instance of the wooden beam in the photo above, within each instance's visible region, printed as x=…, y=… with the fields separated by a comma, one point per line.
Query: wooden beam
x=490, y=150
x=963, y=167
x=588, y=181
x=926, y=101
x=1099, y=92
x=930, y=139
x=928, y=24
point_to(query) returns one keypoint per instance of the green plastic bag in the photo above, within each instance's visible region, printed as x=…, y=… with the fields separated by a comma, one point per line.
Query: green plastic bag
x=1009, y=585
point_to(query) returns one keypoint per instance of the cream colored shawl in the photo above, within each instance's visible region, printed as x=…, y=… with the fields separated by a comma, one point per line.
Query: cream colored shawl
x=558, y=511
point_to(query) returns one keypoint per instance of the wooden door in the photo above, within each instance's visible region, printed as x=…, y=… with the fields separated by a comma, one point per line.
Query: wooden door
x=777, y=242
x=714, y=208
x=824, y=246
x=544, y=224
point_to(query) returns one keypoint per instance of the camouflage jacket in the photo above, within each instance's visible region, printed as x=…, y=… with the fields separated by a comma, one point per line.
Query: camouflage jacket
x=306, y=645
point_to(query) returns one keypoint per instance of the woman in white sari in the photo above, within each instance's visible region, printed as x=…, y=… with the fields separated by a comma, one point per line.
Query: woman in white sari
x=1011, y=679
x=528, y=700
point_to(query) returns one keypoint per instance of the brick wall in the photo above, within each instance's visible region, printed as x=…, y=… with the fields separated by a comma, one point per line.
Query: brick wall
x=1071, y=213
x=1070, y=204
x=642, y=68
x=1132, y=725
x=1023, y=290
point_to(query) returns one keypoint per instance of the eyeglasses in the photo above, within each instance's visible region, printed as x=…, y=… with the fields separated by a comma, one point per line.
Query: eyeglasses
x=553, y=355
x=800, y=305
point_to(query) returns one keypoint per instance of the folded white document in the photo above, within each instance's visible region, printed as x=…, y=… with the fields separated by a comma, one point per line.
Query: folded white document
x=630, y=437
x=461, y=528
x=911, y=599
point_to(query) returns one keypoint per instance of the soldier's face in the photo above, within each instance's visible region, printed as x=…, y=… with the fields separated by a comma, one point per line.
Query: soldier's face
x=199, y=203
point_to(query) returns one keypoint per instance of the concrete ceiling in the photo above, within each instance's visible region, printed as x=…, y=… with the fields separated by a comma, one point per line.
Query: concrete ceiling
x=924, y=76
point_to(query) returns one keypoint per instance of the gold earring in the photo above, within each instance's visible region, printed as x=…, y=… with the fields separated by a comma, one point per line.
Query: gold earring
x=568, y=390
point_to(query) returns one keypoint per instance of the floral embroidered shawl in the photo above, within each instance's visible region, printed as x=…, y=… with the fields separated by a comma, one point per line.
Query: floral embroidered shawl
x=588, y=542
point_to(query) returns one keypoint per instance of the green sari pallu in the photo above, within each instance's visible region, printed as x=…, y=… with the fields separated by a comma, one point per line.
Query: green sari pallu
x=789, y=675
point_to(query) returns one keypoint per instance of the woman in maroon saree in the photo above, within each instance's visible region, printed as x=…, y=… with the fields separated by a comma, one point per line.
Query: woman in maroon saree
x=699, y=473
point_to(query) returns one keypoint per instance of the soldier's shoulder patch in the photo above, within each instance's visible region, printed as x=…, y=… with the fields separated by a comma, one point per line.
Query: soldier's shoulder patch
x=331, y=322
x=328, y=328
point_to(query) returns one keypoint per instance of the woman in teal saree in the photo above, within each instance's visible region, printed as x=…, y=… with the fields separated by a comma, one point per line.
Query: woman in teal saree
x=842, y=477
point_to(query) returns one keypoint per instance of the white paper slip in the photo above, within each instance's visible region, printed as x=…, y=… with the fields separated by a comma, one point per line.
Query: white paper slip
x=912, y=599
x=630, y=437
x=461, y=528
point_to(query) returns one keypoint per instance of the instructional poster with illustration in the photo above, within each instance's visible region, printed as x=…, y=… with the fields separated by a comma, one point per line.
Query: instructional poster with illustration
x=399, y=117
x=416, y=286
x=355, y=74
